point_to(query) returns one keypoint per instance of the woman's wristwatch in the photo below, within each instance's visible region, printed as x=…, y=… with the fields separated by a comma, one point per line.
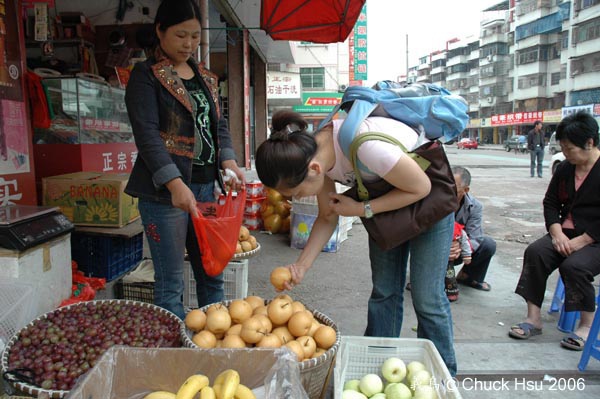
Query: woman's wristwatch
x=368, y=210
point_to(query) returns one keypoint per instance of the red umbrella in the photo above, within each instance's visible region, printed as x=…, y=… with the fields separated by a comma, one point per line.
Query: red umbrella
x=317, y=21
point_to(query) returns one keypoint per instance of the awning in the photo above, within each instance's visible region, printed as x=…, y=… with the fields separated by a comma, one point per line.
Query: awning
x=316, y=21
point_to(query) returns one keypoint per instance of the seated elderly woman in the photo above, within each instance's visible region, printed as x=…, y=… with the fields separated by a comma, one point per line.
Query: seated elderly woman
x=572, y=245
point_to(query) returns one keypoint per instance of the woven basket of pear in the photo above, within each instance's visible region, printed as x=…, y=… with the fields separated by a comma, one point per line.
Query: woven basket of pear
x=254, y=322
x=246, y=241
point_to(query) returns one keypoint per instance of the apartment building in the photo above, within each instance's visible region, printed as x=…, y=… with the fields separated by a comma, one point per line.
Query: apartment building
x=532, y=59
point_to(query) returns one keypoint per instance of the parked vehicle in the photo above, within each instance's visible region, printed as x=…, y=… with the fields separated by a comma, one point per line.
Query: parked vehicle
x=553, y=145
x=467, y=143
x=556, y=159
x=517, y=143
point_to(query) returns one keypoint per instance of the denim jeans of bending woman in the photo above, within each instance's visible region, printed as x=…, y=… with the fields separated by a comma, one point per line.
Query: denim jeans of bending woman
x=166, y=229
x=428, y=255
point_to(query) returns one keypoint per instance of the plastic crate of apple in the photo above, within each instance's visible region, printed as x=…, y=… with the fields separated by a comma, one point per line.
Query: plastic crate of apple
x=400, y=381
x=56, y=348
x=275, y=212
x=254, y=322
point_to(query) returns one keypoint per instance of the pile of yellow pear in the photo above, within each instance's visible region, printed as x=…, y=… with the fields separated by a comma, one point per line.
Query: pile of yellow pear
x=254, y=322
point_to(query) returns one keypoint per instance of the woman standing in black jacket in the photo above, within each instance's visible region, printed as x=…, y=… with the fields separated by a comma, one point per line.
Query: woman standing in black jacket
x=183, y=142
x=572, y=245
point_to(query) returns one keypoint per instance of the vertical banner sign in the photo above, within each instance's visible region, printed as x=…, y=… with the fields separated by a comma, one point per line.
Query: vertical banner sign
x=17, y=182
x=351, y=58
x=360, y=45
x=246, y=72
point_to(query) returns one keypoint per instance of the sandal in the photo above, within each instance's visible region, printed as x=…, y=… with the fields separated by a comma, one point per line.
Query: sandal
x=529, y=330
x=573, y=342
x=469, y=282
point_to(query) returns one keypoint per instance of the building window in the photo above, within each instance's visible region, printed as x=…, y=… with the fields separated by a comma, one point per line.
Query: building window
x=555, y=78
x=587, y=31
x=312, y=78
x=589, y=3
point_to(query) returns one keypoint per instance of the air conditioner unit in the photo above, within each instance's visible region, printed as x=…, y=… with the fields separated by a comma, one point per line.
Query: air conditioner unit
x=490, y=99
x=342, y=88
x=490, y=57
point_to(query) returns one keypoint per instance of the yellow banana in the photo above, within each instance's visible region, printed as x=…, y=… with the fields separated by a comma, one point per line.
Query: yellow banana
x=217, y=388
x=160, y=395
x=207, y=393
x=228, y=381
x=243, y=392
x=192, y=386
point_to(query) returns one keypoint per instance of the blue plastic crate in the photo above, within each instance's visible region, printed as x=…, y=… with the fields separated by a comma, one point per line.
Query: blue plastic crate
x=106, y=256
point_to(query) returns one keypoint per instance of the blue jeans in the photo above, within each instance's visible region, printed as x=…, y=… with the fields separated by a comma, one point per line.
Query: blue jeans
x=168, y=232
x=428, y=262
x=208, y=289
x=166, y=229
x=537, y=154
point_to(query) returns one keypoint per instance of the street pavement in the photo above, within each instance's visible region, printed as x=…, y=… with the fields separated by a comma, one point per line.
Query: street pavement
x=490, y=363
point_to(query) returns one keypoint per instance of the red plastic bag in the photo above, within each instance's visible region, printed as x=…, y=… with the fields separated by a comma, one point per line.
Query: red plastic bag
x=218, y=229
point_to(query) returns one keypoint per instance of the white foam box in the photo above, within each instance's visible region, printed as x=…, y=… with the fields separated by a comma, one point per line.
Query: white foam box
x=235, y=276
x=358, y=356
x=47, y=266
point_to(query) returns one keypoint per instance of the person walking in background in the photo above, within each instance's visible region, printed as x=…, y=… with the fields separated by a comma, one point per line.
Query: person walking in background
x=470, y=215
x=182, y=142
x=299, y=164
x=535, y=144
x=572, y=245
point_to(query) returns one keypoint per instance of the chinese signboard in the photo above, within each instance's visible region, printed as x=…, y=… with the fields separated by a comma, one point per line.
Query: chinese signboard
x=360, y=46
x=320, y=102
x=589, y=108
x=283, y=85
x=517, y=118
x=17, y=183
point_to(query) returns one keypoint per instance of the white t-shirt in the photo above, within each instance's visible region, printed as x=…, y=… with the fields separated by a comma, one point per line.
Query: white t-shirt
x=380, y=157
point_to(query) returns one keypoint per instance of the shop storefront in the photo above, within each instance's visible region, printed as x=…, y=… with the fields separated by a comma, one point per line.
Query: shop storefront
x=498, y=128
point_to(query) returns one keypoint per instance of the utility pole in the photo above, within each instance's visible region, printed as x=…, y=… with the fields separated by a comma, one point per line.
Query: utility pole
x=407, y=58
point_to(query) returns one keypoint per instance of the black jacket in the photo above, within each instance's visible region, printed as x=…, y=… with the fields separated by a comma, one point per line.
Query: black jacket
x=533, y=139
x=162, y=116
x=584, y=204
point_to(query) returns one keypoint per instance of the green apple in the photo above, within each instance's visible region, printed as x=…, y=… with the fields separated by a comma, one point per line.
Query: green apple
x=350, y=394
x=425, y=392
x=393, y=369
x=412, y=368
x=421, y=377
x=352, y=384
x=379, y=395
x=397, y=390
x=371, y=384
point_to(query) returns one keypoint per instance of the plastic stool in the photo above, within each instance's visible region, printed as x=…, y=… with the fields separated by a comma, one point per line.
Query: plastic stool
x=559, y=295
x=567, y=320
x=592, y=345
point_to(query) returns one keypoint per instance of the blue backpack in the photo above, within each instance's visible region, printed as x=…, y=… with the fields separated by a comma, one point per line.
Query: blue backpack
x=425, y=107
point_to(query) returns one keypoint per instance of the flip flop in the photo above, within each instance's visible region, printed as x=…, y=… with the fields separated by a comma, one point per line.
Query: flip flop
x=475, y=284
x=573, y=342
x=529, y=330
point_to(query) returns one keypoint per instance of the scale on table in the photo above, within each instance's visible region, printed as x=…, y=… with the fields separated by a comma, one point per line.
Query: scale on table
x=25, y=226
